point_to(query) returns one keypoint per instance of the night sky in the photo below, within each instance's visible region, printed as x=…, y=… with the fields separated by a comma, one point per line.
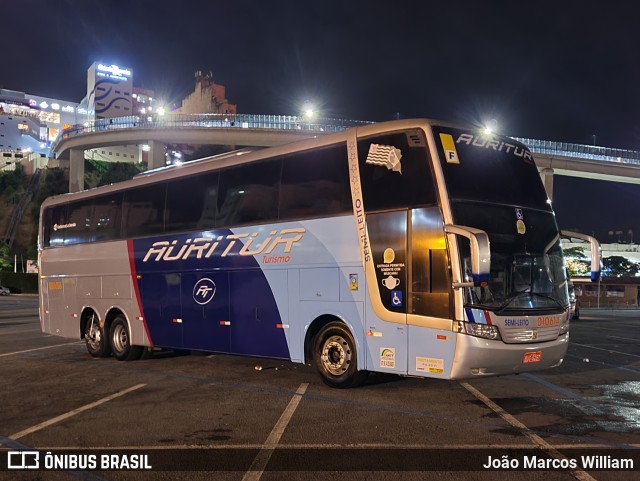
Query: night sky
x=550, y=70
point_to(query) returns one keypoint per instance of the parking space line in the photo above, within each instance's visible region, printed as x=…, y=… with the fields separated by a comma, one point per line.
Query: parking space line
x=624, y=338
x=69, y=414
x=606, y=364
x=603, y=349
x=537, y=440
x=21, y=331
x=264, y=455
x=39, y=348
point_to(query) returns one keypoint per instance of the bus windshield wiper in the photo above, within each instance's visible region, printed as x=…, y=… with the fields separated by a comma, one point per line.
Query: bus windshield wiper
x=511, y=298
x=545, y=296
x=515, y=295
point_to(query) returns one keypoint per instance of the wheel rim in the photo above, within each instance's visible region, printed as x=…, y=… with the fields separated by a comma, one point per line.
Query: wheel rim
x=336, y=355
x=93, y=335
x=120, y=338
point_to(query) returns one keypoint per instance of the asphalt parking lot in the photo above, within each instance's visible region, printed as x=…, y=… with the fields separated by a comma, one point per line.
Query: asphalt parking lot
x=210, y=416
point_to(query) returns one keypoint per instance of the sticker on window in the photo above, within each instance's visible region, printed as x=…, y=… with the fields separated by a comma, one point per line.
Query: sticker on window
x=385, y=155
x=449, y=147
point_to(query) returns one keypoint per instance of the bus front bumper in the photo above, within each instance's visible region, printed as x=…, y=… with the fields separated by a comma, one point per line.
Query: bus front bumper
x=477, y=357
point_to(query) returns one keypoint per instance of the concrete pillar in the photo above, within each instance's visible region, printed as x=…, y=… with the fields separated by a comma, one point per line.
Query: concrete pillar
x=76, y=170
x=547, y=178
x=156, y=155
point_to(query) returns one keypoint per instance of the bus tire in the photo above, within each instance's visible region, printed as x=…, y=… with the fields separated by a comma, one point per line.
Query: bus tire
x=335, y=357
x=576, y=313
x=121, y=341
x=96, y=338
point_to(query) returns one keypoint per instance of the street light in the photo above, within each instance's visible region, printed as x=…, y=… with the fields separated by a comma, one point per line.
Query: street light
x=490, y=127
x=309, y=113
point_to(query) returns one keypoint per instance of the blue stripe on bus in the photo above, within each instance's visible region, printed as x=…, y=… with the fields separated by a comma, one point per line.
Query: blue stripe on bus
x=197, y=292
x=477, y=316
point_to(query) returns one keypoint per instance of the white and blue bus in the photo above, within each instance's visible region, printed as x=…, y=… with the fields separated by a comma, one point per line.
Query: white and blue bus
x=409, y=247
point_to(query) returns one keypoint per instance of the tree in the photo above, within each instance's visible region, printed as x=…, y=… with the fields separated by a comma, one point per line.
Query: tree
x=576, y=260
x=578, y=267
x=12, y=179
x=5, y=258
x=618, y=266
x=575, y=252
x=118, y=172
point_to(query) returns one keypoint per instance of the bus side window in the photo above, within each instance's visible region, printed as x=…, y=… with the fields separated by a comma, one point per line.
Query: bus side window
x=315, y=183
x=430, y=280
x=191, y=203
x=411, y=185
x=79, y=222
x=107, y=215
x=54, y=217
x=249, y=194
x=143, y=211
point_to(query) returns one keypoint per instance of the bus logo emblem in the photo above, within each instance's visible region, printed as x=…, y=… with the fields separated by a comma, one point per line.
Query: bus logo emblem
x=204, y=291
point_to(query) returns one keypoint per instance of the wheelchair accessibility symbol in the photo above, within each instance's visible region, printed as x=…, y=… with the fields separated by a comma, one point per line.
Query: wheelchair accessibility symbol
x=396, y=298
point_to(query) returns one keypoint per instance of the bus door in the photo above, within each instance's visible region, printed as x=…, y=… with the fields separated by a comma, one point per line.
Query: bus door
x=386, y=317
x=431, y=340
x=395, y=176
x=205, y=311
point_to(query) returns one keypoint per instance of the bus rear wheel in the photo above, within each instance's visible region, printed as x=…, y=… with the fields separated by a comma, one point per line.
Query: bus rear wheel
x=121, y=341
x=335, y=357
x=96, y=338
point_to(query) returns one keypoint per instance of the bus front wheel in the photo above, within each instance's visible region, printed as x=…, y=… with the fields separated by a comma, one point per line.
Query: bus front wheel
x=121, y=341
x=335, y=357
x=96, y=338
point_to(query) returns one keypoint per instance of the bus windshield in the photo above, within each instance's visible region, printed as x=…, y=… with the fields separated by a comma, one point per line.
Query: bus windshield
x=527, y=268
x=489, y=168
x=494, y=185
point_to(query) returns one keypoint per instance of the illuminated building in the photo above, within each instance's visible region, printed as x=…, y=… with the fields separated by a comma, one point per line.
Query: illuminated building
x=109, y=90
x=208, y=97
x=110, y=94
x=29, y=123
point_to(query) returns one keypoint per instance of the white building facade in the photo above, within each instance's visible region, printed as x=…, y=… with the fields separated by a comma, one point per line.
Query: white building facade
x=29, y=123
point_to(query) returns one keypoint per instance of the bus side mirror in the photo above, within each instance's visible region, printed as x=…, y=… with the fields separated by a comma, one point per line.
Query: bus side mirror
x=596, y=252
x=480, y=252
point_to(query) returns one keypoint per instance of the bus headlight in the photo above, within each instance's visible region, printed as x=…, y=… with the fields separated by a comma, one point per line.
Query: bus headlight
x=485, y=331
x=564, y=326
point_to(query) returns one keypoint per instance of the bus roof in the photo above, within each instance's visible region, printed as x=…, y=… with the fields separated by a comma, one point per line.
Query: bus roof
x=243, y=156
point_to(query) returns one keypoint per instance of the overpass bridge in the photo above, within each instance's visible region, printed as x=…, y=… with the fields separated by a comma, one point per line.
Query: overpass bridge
x=579, y=160
x=199, y=129
x=269, y=130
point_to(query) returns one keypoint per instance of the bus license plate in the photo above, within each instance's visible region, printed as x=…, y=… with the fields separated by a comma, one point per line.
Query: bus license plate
x=534, y=356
